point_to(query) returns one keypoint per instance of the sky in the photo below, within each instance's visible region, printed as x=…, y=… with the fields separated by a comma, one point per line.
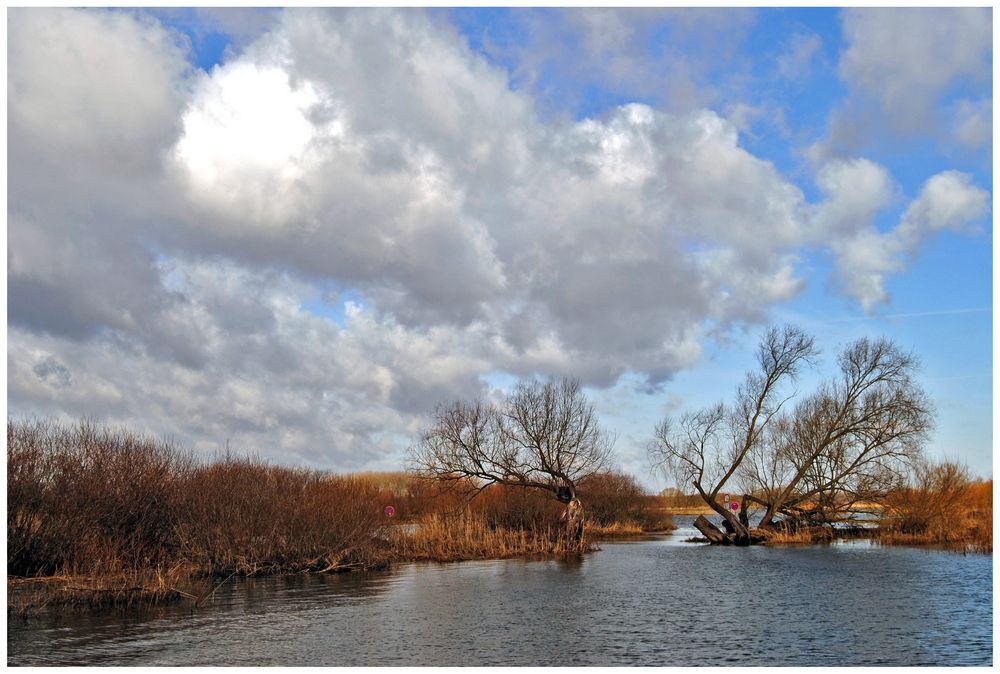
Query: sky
x=300, y=231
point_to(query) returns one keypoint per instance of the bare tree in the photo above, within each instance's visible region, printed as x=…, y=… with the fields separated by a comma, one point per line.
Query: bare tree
x=851, y=440
x=844, y=445
x=707, y=448
x=545, y=435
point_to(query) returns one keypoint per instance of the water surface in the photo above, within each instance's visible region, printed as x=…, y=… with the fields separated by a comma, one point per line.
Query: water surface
x=659, y=602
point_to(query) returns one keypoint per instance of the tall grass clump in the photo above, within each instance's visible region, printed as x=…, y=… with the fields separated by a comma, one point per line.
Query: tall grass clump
x=471, y=535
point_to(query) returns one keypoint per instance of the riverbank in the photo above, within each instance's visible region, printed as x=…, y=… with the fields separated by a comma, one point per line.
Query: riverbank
x=103, y=517
x=639, y=602
x=467, y=539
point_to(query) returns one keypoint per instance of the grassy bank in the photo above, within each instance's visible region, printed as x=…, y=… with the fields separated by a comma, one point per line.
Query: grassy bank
x=107, y=517
x=466, y=535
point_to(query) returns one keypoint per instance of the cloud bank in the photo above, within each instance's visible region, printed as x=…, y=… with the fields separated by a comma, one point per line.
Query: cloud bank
x=357, y=217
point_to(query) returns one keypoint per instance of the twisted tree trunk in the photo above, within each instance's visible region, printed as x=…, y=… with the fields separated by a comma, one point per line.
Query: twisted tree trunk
x=573, y=521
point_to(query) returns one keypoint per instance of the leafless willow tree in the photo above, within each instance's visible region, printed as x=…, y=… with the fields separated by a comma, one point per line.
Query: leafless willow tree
x=810, y=462
x=544, y=435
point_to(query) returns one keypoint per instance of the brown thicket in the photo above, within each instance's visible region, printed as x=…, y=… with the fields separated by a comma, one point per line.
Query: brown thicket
x=100, y=516
x=241, y=515
x=89, y=501
x=939, y=503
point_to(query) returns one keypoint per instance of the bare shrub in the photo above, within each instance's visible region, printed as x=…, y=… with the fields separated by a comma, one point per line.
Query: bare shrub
x=617, y=500
x=939, y=503
x=84, y=500
x=241, y=515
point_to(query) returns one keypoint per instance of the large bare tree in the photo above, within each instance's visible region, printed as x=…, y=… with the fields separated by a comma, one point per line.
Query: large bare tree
x=544, y=435
x=846, y=443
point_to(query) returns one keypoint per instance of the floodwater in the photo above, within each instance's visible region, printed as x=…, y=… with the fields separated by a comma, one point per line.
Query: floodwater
x=655, y=602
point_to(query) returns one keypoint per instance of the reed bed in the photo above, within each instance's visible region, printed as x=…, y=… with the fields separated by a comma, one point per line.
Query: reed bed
x=614, y=530
x=444, y=538
x=26, y=596
x=801, y=536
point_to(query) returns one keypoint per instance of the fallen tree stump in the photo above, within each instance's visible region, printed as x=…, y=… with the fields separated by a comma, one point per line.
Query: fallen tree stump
x=710, y=531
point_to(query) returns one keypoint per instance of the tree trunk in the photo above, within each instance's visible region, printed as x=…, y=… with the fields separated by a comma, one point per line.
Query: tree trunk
x=738, y=533
x=709, y=530
x=744, y=517
x=767, y=521
x=573, y=521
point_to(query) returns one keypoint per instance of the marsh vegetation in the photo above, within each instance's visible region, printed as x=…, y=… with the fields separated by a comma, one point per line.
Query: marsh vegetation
x=99, y=516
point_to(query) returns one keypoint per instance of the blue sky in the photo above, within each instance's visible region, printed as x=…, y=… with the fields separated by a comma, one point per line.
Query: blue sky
x=334, y=221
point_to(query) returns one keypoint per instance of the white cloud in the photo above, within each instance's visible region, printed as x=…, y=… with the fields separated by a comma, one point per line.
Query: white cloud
x=856, y=191
x=948, y=200
x=973, y=122
x=901, y=65
x=156, y=274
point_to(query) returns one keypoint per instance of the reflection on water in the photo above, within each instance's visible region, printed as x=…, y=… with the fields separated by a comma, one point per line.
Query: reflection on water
x=654, y=602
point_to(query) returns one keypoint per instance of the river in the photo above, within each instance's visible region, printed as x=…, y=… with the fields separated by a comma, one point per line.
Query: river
x=655, y=602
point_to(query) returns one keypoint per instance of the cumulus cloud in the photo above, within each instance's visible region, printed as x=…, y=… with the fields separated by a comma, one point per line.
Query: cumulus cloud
x=907, y=58
x=900, y=65
x=162, y=271
x=855, y=191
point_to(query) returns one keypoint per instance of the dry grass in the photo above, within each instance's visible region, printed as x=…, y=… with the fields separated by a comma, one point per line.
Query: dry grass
x=616, y=529
x=443, y=538
x=108, y=517
x=26, y=596
x=802, y=536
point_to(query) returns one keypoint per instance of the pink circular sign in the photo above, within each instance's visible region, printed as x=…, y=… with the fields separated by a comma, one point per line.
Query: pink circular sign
x=734, y=506
x=389, y=511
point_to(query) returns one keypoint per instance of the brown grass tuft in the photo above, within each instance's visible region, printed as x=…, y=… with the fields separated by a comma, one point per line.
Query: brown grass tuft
x=444, y=538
